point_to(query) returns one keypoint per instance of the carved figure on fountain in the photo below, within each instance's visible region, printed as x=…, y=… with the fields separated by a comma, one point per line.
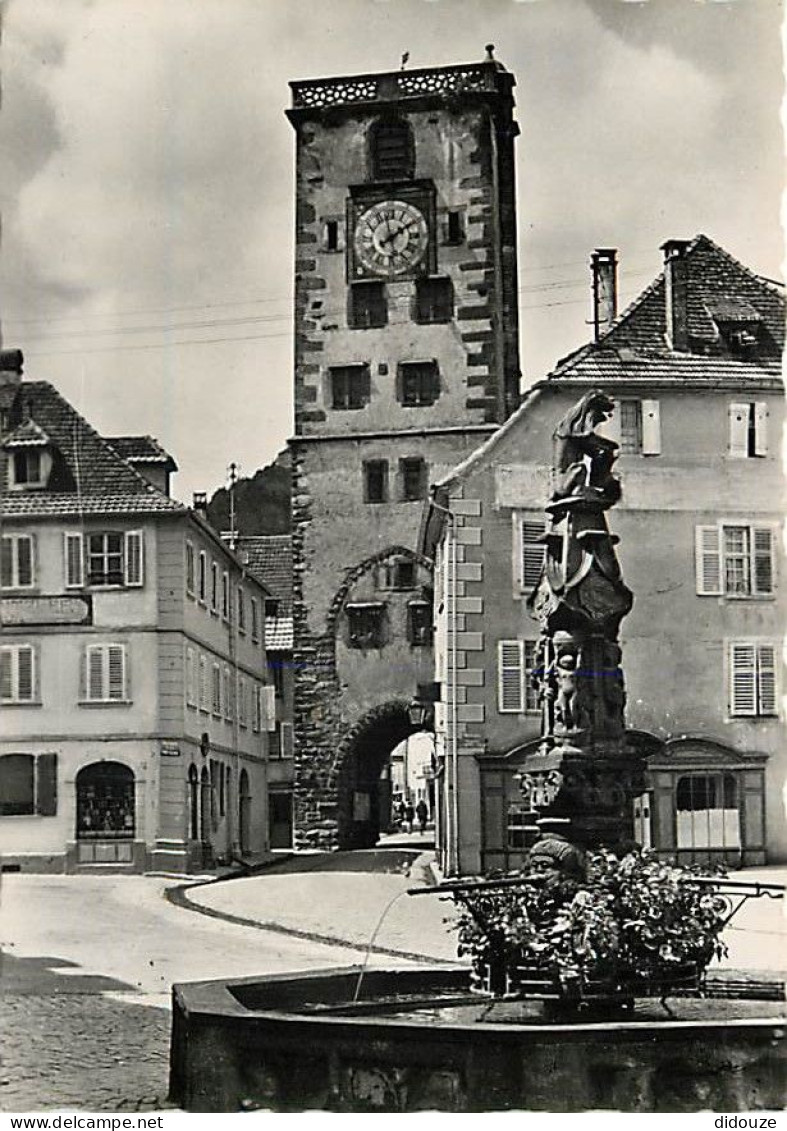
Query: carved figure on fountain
x=582, y=459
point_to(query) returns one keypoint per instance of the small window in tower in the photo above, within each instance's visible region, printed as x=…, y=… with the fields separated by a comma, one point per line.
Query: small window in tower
x=331, y=235
x=397, y=573
x=375, y=472
x=453, y=228
x=419, y=383
x=434, y=300
x=413, y=479
x=350, y=386
x=419, y=623
x=368, y=307
x=392, y=151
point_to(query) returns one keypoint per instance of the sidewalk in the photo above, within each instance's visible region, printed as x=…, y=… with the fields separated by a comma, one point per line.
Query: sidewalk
x=356, y=908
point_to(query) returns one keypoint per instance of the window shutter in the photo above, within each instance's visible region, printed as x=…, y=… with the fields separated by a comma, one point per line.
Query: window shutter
x=269, y=706
x=739, y=430
x=762, y=571
x=707, y=560
x=25, y=659
x=46, y=785
x=286, y=740
x=94, y=677
x=227, y=695
x=133, y=558
x=6, y=562
x=766, y=679
x=74, y=555
x=651, y=428
x=761, y=429
x=116, y=671
x=532, y=553
x=25, y=549
x=743, y=675
x=6, y=681
x=510, y=671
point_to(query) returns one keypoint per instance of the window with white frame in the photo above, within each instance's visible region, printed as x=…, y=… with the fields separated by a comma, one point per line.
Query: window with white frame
x=255, y=619
x=225, y=595
x=202, y=578
x=529, y=549
x=217, y=690
x=752, y=674
x=190, y=572
x=214, y=587
x=228, y=694
x=17, y=568
x=105, y=674
x=748, y=429
x=18, y=673
x=191, y=678
x=30, y=467
x=241, y=610
x=515, y=690
x=112, y=558
x=203, y=684
x=242, y=701
x=734, y=560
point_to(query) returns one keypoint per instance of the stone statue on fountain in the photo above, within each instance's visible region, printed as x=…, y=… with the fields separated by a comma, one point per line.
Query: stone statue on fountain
x=586, y=772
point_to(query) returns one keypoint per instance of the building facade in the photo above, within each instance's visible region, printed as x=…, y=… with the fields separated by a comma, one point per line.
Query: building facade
x=406, y=356
x=133, y=674
x=694, y=366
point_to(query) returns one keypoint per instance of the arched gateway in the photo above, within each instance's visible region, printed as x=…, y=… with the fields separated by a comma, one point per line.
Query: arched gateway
x=363, y=796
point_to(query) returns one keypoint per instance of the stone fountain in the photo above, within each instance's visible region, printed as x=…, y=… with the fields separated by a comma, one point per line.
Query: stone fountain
x=422, y=1038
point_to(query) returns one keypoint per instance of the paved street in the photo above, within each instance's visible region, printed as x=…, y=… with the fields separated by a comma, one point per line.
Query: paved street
x=87, y=965
x=88, y=960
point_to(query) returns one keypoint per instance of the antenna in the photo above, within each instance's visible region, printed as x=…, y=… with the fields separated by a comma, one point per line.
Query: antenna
x=232, y=471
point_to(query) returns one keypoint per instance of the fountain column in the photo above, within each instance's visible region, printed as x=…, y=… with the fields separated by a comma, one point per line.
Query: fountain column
x=584, y=776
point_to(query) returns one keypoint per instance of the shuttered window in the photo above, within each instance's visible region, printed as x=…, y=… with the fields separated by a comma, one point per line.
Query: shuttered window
x=191, y=678
x=748, y=429
x=531, y=696
x=241, y=701
x=753, y=678
x=134, y=564
x=510, y=676
x=16, y=561
x=285, y=737
x=18, y=674
x=529, y=531
x=105, y=674
x=190, y=572
x=736, y=560
x=28, y=785
x=73, y=546
x=217, y=690
x=228, y=695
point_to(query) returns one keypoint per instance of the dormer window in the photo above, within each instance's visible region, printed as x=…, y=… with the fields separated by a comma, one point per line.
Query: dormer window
x=30, y=457
x=28, y=468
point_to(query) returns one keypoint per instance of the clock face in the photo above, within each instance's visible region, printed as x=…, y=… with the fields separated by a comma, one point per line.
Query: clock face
x=391, y=238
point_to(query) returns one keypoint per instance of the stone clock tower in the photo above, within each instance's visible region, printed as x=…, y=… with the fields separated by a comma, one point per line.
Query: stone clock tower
x=406, y=358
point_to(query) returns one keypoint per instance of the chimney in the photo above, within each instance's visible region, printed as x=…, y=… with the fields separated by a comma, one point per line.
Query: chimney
x=199, y=503
x=676, y=293
x=604, y=265
x=11, y=362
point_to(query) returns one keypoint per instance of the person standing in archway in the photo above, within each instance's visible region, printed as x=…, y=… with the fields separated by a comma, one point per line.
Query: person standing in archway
x=422, y=813
x=409, y=816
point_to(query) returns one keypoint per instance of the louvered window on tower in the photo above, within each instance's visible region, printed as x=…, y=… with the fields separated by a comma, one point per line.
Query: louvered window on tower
x=752, y=678
x=368, y=307
x=510, y=676
x=531, y=552
x=734, y=560
x=392, y=150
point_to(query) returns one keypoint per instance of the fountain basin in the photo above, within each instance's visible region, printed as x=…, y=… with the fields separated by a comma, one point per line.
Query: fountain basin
x=418, y=1039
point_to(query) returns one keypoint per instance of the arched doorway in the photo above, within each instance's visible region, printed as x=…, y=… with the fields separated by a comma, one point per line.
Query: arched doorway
x=105, y=813
x=364, y=787
x=244, y=813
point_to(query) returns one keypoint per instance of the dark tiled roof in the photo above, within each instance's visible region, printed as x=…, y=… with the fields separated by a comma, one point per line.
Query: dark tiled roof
x=719, y=288
x=27, y=435
x=88, y=475
x=141, y=449
x=269, y=558
x=278, y=634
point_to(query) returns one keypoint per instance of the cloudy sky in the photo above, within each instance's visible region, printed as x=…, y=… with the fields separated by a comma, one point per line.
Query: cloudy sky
x=147, y=172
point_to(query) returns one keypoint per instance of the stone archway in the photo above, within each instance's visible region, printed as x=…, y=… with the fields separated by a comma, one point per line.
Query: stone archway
x=361, y=758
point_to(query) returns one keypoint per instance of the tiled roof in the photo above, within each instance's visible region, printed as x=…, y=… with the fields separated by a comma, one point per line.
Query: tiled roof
x=278, y=634
x=141, y=449
x=269, y=558
x=27, y=435
x=88, y=476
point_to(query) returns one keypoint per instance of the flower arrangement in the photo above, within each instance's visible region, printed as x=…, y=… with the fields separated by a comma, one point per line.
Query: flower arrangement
x=630, y=924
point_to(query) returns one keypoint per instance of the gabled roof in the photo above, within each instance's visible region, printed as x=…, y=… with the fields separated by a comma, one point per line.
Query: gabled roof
x=88, y=475
x=142, y=449
x=27, y=435
x=635, y=349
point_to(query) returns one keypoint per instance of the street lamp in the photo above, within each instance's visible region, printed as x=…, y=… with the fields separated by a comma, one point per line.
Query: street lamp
x=420, y=711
